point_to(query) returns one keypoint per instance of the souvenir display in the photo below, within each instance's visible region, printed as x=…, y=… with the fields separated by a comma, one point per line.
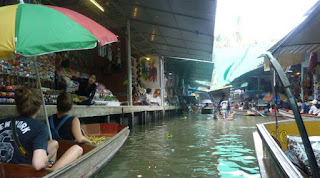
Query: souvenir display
x=7, y=94
x=103, y=96
x=23, y=66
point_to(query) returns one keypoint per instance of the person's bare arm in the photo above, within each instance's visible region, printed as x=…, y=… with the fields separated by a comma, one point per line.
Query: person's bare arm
x=39, y=159
x=76, y=131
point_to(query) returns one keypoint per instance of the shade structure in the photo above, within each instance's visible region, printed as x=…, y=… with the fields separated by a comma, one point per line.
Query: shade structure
x=267, y=96
x=33, y=29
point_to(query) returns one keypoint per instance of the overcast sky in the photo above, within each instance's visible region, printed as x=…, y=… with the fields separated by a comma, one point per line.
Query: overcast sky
x=260, y=19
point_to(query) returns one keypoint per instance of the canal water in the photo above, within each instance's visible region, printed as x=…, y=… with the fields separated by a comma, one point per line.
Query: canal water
x=188, y=146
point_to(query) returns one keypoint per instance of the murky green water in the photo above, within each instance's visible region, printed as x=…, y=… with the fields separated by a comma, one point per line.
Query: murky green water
x=191, y=146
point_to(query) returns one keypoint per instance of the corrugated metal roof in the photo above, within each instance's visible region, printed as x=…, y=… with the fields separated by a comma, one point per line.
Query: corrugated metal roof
x=173, y=29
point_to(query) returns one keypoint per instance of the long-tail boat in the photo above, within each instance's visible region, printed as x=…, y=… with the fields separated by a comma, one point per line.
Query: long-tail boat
x=93, y=158
x=290, y=115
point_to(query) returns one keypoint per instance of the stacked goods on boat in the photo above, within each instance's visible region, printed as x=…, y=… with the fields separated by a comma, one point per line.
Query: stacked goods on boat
x=296, y=148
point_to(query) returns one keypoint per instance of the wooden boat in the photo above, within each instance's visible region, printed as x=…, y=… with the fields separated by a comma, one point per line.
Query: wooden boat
x=92, y=159
x=207, y=111
x=252, y=113
x=285, y=113
x=219, y=115
x=241, y=112
x=272, y=114
x=270, y=147
x=246, y=112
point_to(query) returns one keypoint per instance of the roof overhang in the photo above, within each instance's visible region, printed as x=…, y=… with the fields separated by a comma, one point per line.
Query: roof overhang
x=303, y=39
x=180, y=29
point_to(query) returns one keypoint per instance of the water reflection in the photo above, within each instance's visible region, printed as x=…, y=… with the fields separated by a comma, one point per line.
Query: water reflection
x=188, y=146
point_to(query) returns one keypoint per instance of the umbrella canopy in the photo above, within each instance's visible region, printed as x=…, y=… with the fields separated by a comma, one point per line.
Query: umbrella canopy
x=207, y=101
x=33, y=29
x=267, y=96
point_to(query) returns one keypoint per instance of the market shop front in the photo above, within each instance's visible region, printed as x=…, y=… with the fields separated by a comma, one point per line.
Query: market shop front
x=54, y=69
x=57, y=72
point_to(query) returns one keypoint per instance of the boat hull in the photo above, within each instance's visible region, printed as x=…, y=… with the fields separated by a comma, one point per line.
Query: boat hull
x=270, y=144
x=219, y=115
x=246, y=113
x=240, y=112
x=89, y=163
x=289, y=115
x=93, y=158
x=207, y=111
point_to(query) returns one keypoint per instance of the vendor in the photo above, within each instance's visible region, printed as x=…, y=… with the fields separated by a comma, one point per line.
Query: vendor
x=87, y=89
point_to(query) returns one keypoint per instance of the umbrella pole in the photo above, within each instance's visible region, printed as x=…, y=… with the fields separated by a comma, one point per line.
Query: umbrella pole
x=43, y=102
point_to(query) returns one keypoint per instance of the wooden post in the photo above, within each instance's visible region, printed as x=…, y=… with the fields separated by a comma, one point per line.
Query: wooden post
x=129, y=65
x=162, y=84
x=122, y=116
x=145, y=117
x=108, y=119
x=131, y=120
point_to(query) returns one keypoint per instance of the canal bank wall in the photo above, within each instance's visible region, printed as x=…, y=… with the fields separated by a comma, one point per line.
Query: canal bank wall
x=125, y=115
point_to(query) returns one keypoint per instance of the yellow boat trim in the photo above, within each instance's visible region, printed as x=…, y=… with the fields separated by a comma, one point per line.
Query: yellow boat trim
x=290, y=128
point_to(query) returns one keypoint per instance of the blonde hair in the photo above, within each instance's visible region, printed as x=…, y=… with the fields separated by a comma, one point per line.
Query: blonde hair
x=28, y=101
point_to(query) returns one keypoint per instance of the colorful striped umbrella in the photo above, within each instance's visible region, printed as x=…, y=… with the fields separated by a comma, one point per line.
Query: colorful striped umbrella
x=267, y=96
x=33, y=29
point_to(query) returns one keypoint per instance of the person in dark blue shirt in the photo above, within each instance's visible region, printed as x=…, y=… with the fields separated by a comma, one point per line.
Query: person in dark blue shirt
x=87, y=89
x=25, y=139
x=303, y=107
x=222, y=99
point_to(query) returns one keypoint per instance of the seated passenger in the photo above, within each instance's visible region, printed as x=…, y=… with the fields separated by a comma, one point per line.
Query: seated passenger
x=314, y=109
x=145, y=99
x=63, y=125
x=303, y=107
x=27, y=139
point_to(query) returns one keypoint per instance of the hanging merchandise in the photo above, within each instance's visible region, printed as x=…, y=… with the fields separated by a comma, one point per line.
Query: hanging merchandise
x=316, y=83
x=313, y=60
